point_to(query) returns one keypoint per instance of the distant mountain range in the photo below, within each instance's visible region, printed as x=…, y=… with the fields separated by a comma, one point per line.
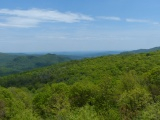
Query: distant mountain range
x=141, y=50
x=88, y=54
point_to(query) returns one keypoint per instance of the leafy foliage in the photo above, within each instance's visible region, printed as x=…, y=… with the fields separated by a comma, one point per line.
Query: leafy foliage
x=151, y=112
x=131, y=102
x=52, y=101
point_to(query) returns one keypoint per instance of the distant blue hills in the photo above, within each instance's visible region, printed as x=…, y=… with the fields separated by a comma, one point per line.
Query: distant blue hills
x=141, y=51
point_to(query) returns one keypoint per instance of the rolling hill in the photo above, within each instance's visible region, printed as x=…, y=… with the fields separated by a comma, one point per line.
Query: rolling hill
x=11, y=63
x=15, y=63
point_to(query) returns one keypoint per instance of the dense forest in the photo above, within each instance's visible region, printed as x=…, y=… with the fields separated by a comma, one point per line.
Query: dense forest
x=114, y=87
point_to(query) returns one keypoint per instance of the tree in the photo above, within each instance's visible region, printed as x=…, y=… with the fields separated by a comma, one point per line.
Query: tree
x=152, y=80
x=151, y=112
x=52, y=101
x=133, y=101
x=83, y=93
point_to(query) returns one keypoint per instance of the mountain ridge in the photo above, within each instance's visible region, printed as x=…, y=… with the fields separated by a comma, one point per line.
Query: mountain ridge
x=141, y=50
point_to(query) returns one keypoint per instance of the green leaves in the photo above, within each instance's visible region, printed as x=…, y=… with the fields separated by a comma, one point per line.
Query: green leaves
x=151, y=112
x=82, y=93
x=26, y=114
x=133, y=101
x=12, y=102
x=84, y=113
x=52, y=101
x=152, y=81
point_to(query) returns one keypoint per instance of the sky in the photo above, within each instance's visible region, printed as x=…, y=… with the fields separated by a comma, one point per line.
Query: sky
x=78, y=25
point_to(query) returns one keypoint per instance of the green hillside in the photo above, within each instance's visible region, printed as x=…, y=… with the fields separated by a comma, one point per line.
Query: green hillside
x=93, y=69
x=4, y=58
x=115, y=87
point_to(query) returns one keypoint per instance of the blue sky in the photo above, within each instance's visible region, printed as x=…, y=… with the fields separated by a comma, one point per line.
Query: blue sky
x=78, y=25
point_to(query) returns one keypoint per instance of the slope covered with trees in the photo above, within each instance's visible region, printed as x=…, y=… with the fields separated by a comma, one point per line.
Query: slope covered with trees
x=117, y=87
x=93, y=69
x=5, y=58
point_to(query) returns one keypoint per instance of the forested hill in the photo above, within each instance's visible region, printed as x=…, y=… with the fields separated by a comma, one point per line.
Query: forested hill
x=11, y=63
x=115, y=87
x=15, y=63
x=4, y=58
x=93, y=69
x=141, y=50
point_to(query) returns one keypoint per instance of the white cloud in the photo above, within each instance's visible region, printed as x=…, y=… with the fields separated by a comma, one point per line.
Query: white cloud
x=137, y=20
x=156, y=23
x=21, y=22
x=110, y=18
x=32, y=17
